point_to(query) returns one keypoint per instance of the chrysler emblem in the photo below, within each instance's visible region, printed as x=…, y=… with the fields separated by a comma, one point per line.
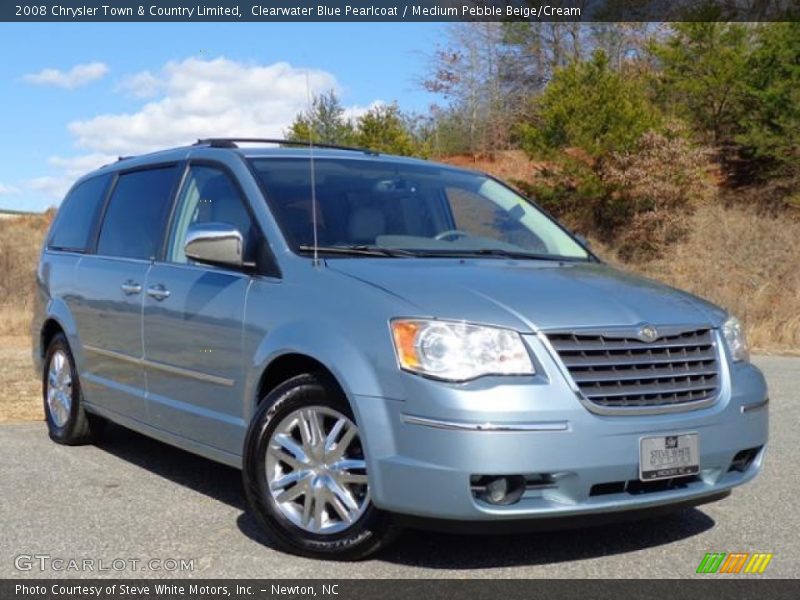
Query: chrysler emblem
x=648, y=333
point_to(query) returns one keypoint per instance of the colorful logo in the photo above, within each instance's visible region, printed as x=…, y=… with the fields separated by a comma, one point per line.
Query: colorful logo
x=734, y=562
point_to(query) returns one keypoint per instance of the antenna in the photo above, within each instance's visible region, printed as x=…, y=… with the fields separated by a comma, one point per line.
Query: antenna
x=313, y=172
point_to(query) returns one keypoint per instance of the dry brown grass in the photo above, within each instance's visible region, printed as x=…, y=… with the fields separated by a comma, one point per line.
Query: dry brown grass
x=20, y=388
x=746, y=262
x=510, y=165
x=20, y=243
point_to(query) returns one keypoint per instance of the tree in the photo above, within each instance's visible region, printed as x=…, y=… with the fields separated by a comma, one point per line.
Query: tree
x=324, y=122
x=472, y=73
x=488, y=72
x=590, y=106
x=384, y=128
x=704, y=72
x=770, y=123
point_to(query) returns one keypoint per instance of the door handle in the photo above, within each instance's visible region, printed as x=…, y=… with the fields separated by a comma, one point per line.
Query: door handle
x=159, y=292
x=130, y=287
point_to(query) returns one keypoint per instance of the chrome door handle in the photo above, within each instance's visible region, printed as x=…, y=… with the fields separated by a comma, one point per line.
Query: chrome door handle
x=159, y=292
x=130, y=287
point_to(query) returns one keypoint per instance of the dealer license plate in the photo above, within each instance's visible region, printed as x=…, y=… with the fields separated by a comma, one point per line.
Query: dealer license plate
x=667, y=456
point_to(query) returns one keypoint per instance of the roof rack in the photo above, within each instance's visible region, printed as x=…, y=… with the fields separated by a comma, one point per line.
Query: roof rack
x=233, y=143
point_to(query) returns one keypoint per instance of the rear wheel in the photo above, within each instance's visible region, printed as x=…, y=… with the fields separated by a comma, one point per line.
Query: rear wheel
x=67, y=420
x=305, y=473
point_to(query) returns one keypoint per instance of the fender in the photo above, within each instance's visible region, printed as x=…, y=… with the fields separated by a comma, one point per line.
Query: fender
x=359, y=370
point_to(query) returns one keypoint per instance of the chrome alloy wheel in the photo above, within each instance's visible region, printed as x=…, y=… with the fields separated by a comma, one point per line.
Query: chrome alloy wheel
x=316, y=471
x=59, y=388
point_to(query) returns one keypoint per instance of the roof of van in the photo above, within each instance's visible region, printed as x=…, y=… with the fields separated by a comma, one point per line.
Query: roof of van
x=256, y=148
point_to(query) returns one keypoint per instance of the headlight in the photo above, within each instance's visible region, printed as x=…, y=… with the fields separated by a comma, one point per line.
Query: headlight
x=459, y=351
x=734, y=336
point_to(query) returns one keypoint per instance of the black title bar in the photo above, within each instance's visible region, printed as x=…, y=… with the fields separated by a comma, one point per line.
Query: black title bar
x=399, y=10
x=708, y=588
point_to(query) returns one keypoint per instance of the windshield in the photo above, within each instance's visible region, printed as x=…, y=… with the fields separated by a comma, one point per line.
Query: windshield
x=414, y=209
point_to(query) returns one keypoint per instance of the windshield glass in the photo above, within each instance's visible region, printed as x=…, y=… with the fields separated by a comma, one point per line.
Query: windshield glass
x=415, y=208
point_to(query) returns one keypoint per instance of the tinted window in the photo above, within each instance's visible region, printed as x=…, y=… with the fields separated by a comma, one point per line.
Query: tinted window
x=78, y=214
x=210, y=196
x=417, y=207
x=136, y=213
x=472, y=214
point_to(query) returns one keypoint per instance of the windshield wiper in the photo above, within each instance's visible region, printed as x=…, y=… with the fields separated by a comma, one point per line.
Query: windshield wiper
x=360, y=250
x=515, y=254
x=498, y=252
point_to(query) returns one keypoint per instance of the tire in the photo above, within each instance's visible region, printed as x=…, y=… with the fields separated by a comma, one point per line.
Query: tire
x=68, y=422
x=324, y=511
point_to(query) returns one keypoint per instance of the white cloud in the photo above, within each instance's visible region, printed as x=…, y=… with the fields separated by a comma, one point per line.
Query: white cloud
x=141, y=85
x=204, y=98
x=354, y=112
x=77, y=76
x=51, y=186
x=7, y=190
x=187, y=100
x=68, y=169
x=76, y=166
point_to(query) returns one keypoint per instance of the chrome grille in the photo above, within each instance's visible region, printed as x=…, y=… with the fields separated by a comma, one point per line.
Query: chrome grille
x=619, y=370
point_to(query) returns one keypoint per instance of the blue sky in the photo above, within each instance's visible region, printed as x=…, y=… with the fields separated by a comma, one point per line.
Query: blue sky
x=76, y=94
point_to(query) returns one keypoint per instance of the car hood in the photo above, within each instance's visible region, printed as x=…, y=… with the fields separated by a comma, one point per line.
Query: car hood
x=531, y=294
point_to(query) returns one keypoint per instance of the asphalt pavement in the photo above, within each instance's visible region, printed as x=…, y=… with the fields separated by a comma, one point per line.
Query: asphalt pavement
x=132, y=500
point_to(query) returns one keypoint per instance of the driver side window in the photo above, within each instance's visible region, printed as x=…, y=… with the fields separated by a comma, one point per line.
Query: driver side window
x=209, y=196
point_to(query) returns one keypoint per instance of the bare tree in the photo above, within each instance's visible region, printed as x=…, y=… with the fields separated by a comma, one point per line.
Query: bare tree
x=488, y=72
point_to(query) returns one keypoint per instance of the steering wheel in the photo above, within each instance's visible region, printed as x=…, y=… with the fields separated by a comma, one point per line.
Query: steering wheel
x=452, y=233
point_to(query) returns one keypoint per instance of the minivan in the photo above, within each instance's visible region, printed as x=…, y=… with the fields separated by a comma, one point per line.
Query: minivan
x=379, y=341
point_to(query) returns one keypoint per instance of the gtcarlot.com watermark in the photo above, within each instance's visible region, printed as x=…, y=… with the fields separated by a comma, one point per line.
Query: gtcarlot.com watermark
x=47, y=562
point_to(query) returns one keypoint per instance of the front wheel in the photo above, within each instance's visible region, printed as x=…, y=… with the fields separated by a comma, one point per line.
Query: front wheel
x=305, y=474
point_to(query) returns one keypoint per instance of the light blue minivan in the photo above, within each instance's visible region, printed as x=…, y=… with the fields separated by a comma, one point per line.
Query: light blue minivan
x=377, y=341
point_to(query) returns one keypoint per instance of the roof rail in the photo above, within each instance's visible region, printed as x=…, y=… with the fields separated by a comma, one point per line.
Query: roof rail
x=232, y=143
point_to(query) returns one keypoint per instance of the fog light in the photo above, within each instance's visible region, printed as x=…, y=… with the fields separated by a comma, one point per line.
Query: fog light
x=498, y=489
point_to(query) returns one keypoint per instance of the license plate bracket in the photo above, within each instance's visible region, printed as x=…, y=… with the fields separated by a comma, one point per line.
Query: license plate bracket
x=668, y=456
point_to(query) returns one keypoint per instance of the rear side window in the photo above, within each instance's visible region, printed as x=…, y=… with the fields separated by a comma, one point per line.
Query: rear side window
x=136, y=213
x=77, y=217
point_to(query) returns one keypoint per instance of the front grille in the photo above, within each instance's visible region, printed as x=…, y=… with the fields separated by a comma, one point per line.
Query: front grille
x=617, y=372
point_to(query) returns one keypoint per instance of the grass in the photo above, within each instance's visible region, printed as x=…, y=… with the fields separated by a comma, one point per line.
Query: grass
x=746, y=262
x=20, y=245
x=20, y=388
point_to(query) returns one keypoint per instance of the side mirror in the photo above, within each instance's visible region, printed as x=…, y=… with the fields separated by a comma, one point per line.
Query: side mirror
x=215, y=244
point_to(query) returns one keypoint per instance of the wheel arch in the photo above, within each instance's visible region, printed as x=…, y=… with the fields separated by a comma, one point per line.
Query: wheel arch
x=288, y=365
x=50, y=328
x=57, y=319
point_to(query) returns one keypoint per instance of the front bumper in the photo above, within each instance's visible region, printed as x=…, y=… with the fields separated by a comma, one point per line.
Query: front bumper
x=424, y=449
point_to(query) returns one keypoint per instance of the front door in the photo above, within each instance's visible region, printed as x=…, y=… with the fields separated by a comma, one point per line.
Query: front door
x=193, y=316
